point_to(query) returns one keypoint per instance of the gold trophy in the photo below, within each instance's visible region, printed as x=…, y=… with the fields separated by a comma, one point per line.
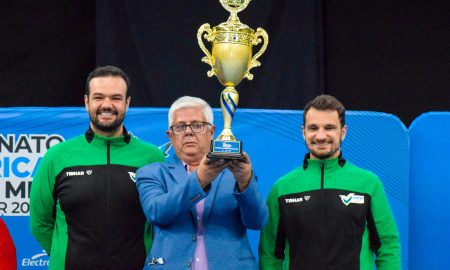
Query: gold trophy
x=230, y=60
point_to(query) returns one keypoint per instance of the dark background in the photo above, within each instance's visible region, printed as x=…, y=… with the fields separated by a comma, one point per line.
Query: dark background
x=389, y=56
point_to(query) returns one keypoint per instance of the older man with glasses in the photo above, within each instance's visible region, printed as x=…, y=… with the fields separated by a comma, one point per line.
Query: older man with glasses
x=200, y=208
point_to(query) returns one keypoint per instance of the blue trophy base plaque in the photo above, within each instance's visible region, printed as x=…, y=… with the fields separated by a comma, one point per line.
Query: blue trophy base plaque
x=225, y=150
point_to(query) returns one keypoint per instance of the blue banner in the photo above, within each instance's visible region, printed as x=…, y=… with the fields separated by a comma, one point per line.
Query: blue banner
x=375, y=141
x=430, y=185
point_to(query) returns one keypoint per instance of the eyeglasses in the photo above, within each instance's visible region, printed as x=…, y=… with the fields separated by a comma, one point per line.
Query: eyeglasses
x=196, y=127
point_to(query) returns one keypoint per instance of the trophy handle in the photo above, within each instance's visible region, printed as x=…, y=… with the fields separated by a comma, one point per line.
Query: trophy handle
x=209, y=37
x=260, y=36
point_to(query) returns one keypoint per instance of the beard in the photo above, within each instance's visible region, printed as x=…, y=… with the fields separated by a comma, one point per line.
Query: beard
x=325, y=155
x=106, y=126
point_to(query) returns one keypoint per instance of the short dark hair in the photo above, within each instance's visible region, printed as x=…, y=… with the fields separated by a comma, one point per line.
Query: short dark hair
x=326, y=102
x=105, y=72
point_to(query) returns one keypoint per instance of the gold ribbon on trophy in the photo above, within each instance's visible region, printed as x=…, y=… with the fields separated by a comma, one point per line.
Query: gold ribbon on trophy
x=230, y=60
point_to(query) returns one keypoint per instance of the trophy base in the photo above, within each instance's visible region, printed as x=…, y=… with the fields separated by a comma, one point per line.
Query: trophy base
x=226, y=150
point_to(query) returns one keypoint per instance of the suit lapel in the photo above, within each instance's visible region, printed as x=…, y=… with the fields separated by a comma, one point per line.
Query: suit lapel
x=179, y=173
x=209, y=200
x=177, y=169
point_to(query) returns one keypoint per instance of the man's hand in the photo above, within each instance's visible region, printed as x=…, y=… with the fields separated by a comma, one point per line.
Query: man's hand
x=242, y=171
x=209, y=169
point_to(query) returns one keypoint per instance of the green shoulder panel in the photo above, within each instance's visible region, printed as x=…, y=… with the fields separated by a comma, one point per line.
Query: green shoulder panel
x=42, y=204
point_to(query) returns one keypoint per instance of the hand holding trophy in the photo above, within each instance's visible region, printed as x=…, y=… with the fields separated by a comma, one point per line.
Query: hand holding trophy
x=230, y=60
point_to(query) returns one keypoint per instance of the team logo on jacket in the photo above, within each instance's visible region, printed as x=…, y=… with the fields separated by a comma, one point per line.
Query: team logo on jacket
x=79, y=173
x=75, y=173
x=132, y=176
x=297, y=200
x=352, y=198
x=294, y=200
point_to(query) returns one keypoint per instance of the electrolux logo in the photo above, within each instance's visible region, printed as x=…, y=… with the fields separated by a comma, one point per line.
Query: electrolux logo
x=37, y=260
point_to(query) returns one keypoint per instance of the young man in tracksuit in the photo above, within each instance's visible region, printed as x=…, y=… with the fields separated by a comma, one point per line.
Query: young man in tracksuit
x=84, y=206
x=328, y=213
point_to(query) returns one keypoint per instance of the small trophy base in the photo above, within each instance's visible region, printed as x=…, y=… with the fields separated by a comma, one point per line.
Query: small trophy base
x=226, y=150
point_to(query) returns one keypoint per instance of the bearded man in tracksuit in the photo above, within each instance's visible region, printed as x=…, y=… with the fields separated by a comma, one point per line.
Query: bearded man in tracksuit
x=84, y=206
x=328, y=213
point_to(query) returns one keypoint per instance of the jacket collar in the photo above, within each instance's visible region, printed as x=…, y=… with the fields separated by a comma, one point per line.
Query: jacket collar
x=90, y=135
x=340, y=160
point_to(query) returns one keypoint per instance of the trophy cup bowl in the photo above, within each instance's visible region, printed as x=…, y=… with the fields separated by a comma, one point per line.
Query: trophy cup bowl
x=231, y=60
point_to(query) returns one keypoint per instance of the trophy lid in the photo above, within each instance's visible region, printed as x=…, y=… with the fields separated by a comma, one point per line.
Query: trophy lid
x=233, y=24
x=234, y=6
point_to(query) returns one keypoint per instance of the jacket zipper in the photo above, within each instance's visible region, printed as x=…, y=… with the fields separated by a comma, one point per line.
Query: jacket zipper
x=322, y=214
x=108, y=197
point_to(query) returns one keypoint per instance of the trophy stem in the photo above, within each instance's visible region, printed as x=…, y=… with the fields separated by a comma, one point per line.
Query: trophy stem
x=229, y=99
x=234, y=19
